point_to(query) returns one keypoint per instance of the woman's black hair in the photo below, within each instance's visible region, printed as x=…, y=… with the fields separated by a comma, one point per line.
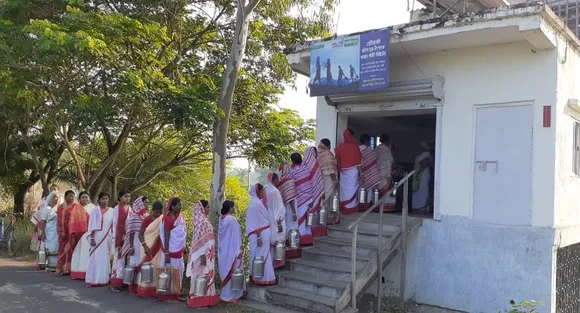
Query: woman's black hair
x=68, y=192
x=84, y=193
x=385, y=139
x=103, y=194
x=157, y=206
x=227, y=206
x=122, y=193
x=296, y=158
x=144, y=198
x=204, y=203
x=365, y=138
x=260, y=187
x=174, y=201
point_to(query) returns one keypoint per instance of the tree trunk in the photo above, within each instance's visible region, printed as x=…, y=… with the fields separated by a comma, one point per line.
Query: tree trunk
x=19, y=197
x=114, y=189
x=220, y=129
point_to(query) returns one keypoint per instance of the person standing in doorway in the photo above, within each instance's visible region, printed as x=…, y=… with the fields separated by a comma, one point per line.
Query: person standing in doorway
x=370, y=170
x=348, y=159
x=422, y=179
x=328, y=167
x=385, y=161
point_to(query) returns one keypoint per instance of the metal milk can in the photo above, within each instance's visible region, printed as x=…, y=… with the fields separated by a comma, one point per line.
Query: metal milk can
x=147, y=272
x=41, y=257
x=294, y=238
x=335, y=204
x=376, y=196
x=362, y=195
x=323, y=216
x=164, y=282
x=129, y=274
x=200, y=287
x=310, y=219
x=238, y=280
x=279, y=250
x=258, y=267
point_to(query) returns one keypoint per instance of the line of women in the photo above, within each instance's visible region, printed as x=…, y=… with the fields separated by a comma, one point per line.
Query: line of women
x=81, y=238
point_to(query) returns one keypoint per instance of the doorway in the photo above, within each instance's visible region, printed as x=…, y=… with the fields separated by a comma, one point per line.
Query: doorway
x=413, y=138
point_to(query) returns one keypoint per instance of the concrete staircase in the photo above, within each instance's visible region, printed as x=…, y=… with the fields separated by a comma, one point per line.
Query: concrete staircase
x=320, y=280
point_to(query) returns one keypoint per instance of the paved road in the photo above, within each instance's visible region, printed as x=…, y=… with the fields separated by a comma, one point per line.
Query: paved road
x=25, y=290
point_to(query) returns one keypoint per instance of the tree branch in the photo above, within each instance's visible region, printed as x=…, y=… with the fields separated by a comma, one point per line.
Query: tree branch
x=250, y=7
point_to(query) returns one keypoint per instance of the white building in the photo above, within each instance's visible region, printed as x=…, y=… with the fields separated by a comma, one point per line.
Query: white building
x=496, y=91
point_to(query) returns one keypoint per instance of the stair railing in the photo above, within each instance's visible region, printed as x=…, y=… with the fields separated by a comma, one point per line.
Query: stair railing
x=381, y=203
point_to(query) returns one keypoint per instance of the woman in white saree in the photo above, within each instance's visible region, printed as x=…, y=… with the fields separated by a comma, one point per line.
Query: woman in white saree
x=277, y=213
x=229, y=252
x=49, y=234
x=80, y=257
x=173, y=234
x=101, y=240
x=259, y=233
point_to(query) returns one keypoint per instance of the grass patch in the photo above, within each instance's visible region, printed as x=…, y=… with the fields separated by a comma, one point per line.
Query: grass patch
x=394, y=305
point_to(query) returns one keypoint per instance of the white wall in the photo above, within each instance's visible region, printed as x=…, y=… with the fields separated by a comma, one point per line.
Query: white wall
x=567, y=187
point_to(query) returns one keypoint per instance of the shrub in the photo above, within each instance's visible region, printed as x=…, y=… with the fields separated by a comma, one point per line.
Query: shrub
x=524, y=306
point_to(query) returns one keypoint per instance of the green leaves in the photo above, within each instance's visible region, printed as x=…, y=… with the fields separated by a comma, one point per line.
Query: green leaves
x=129, y=88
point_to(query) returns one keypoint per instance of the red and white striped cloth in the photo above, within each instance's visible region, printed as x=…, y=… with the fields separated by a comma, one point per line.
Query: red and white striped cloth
x=287, y=186
x=370, y=168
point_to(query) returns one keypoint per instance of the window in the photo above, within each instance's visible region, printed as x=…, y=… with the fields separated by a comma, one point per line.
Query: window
x=576, y=159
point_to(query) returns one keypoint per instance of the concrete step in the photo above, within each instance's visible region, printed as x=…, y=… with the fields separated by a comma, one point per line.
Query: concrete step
x=371, y=221
x=332, y=256
x=315, y=285
x=363, y=236
x=344, y=245
x=325, y=270
x=302, y=300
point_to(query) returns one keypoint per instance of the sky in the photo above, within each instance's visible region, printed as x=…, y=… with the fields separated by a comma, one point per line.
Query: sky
x=351, y=16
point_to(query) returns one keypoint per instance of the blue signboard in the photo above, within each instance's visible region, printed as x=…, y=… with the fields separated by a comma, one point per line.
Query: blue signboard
x=350, y=64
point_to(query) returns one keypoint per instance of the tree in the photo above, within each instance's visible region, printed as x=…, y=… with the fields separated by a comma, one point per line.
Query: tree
x=128, y=89
x=280, y=11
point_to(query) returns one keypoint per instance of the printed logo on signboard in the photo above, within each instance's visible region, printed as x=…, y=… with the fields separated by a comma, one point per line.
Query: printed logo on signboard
x=348, y=42
x=337, y=44
x=317, y=46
